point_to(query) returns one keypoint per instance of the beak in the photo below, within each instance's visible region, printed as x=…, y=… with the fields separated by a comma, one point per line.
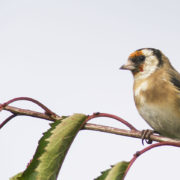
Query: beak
x=128, y=66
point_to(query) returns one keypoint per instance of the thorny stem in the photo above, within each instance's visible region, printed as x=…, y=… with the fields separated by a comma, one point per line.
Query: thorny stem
x=139, y=153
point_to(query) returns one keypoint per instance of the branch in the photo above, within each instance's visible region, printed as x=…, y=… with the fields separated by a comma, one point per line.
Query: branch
x=88, y=126
x=7, y=120
x=98, y=114
x=139, y=153
x=46, y=109
x=128, y=133
x=49, y=115
x=20, y=111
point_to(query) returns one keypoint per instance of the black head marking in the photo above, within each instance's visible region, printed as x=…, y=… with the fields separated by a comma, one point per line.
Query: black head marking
x=157, y=53
x=138, y=59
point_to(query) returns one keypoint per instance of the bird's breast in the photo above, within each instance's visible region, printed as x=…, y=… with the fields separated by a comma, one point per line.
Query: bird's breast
x=162, y=120
x=158, y=107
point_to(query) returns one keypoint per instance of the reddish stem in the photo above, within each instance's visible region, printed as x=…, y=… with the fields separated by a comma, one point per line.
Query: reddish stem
x=47, y=110
x=139, y=153
x=7, y=120
x=95, y=115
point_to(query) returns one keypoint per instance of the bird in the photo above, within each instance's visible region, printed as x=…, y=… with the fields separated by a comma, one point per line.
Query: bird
x=156, y=90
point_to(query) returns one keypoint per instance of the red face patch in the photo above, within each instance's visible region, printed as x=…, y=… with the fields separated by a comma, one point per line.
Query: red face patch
x=137, y=58
x=135, y=54
x=141, y=68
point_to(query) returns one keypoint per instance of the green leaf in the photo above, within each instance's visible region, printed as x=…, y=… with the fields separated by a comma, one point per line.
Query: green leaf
x=52, y=149
x=115, y=173
x=16, y=176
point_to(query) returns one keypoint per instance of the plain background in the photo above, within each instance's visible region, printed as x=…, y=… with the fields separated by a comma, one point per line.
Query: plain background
x=67, y=55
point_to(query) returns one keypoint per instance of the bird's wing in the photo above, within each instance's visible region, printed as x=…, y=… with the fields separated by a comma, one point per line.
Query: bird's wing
x=175, y=79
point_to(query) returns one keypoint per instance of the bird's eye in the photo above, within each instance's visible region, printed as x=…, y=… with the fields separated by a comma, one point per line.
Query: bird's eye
x=138, y=59
x=141, y=58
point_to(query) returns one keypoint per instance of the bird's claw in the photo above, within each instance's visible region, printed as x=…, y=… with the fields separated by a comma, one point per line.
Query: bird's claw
x=145, y=135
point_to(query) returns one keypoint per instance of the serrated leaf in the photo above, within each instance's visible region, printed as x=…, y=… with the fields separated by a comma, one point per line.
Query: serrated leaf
x=52, y=149
x=114, y=173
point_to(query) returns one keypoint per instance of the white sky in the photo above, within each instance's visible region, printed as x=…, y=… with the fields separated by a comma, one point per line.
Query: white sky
x=66, y=54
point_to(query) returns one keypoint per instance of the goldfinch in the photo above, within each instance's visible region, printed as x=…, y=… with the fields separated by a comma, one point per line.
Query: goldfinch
x=156, y=90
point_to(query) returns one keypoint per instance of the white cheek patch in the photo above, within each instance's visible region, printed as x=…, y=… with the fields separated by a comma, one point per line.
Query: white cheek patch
x=147, y=52
x=150, y=64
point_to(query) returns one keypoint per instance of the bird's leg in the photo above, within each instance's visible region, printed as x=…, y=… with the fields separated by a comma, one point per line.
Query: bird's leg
x=145, y=135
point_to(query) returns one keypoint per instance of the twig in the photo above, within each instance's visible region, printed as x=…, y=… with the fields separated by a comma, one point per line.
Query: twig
x=20, y=111
x=88, y=126
x=124, y=132
x=96, y=115
x=7, y=120
x=133, y=132
x=139, y=153
x=47, y=110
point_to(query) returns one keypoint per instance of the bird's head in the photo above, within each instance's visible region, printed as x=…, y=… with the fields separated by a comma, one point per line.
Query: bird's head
x=143, y=62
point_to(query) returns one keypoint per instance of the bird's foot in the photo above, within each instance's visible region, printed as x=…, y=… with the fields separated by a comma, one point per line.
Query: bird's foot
x=145, y=135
